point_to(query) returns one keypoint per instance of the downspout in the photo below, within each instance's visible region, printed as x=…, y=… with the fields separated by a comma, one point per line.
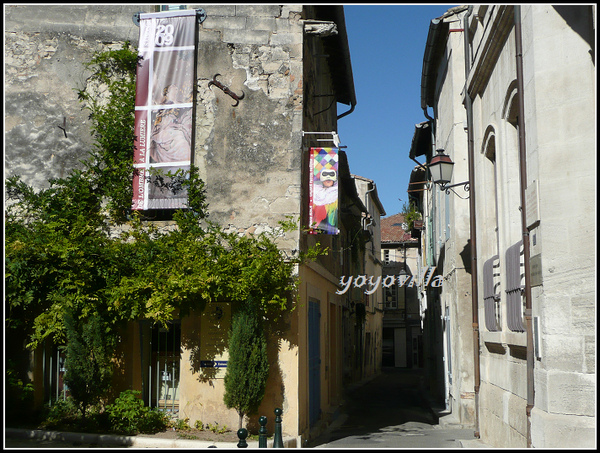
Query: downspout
x=432, y=121
x=525, y=230
x=472, y=223
x=352, y=105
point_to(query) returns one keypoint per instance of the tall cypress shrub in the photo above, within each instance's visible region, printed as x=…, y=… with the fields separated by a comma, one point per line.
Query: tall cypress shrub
x=89, y=366
x=248, y=365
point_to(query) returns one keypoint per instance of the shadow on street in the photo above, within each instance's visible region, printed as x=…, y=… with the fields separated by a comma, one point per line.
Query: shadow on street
x=388, y=403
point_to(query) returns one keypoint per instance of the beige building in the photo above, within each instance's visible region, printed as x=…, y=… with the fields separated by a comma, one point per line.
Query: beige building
x=373, y=327
x=402, y=330
x=253, y=158
x=525, y=234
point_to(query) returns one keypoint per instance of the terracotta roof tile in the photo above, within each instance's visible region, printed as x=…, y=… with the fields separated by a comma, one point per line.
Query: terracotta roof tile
x=392, y=231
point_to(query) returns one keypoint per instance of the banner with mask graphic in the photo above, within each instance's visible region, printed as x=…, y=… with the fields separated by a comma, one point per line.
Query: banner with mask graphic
x=323, y=191
x=164, y=109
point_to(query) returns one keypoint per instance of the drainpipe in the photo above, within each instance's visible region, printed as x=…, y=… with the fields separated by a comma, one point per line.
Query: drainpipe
x=352, y=105
x=473, y=231
x=525, y=230
x=432, y=121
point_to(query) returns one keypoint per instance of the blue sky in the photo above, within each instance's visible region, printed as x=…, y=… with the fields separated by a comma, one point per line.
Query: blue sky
x=387, y=43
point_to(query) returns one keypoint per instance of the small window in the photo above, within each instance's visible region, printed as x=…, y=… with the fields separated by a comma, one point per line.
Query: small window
x=386, y=257
x=391, y=297
x=172, y=7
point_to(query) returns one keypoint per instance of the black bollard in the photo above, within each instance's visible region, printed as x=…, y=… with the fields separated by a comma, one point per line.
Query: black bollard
x=277, y=437
x=242, y=434
x=262, y=432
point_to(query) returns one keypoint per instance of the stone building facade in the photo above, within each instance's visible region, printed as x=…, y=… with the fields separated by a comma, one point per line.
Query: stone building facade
x=402, y=330
x=373, y=325
x=292, y=63
x=509, y=88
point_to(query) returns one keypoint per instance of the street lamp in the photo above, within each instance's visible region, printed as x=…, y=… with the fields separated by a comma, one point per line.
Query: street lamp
x=440, y=168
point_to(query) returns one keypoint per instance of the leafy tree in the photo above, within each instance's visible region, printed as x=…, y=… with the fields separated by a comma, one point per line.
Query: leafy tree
x=248, y=365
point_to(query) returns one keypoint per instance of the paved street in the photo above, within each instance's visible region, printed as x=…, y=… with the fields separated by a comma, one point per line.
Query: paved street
x=392, y=411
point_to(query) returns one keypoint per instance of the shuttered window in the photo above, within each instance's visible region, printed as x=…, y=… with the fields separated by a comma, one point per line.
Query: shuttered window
x=514, y=289
x=491, y=294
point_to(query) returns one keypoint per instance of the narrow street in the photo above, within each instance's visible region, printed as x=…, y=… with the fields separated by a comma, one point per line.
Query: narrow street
x=392, y=411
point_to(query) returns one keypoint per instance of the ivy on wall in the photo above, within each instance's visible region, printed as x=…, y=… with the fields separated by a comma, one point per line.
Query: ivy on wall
x=76, y=247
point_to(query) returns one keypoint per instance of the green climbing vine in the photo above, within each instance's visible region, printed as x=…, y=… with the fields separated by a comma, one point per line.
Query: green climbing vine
x=76, y=250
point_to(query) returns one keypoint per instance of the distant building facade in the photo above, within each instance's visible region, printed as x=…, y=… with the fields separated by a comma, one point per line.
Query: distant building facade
x=373, y=327
x=402, y=333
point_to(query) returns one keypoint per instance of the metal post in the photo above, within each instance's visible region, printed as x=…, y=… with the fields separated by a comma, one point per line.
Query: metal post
x=277, y=437
x=262, y=432
x=173, y=387
x=242, y=434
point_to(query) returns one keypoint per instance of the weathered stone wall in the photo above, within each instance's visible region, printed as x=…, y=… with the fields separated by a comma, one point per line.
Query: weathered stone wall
x=46, y=47
x=249, y=156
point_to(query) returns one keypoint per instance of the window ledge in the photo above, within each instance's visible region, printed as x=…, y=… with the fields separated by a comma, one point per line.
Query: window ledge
x=506, y=338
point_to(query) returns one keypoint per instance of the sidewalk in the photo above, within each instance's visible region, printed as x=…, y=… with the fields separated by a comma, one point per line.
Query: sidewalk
x=80, y=440
x=449, y=421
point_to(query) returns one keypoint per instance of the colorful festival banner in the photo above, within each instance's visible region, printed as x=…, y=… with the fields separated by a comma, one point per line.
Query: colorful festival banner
x=164, y=108
x=323, y=191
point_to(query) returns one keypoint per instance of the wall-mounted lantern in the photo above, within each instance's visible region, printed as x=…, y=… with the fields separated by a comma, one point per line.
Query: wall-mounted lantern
x=440, y=168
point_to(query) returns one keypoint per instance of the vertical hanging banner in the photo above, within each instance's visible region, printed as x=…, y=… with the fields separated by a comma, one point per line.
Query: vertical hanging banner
x=164, y=109
x=323, y=191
